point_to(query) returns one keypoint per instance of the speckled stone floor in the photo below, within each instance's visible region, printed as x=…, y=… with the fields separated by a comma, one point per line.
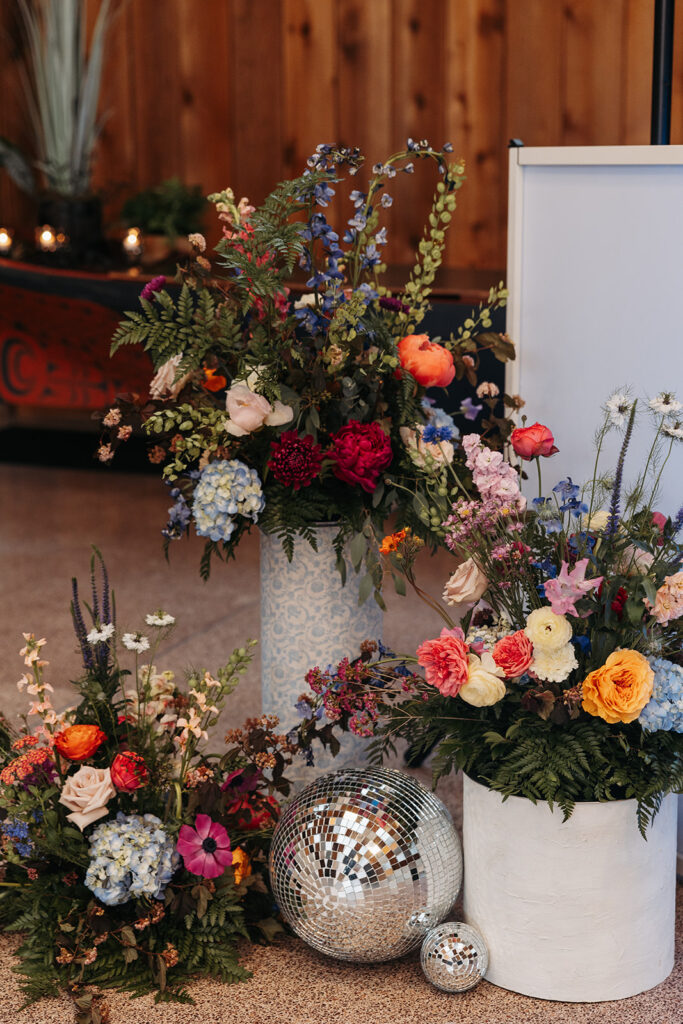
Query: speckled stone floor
x=49, y=517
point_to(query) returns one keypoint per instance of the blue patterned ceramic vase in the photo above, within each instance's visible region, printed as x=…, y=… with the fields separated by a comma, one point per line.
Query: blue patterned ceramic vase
x=308, y=618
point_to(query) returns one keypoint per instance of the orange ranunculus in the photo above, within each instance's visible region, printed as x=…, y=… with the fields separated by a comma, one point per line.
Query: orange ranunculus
x=241, y=864
x=620, y=689
x=430, y=364
x=78, y=742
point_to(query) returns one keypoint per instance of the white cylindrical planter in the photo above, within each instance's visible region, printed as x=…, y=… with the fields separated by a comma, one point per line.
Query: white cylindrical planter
x=578, y=911
x=679, y=859
x=308, y=618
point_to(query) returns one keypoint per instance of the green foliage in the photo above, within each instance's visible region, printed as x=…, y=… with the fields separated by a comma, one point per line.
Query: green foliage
x=165, y=328
x=170, y=208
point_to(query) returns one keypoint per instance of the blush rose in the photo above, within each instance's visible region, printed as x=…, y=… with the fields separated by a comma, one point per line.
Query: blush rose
x=467, y=584
x=86, y=794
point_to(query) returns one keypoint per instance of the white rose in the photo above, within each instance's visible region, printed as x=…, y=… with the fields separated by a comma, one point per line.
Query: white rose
x=86, y=794
x=249, y=411
x=424, y=453
x=466, y=585
x=163, y=383
x=484, y=686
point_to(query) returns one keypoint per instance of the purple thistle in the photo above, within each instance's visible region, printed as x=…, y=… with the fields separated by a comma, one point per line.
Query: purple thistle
x=79, y=627
x=614, y=506
x=155, y=285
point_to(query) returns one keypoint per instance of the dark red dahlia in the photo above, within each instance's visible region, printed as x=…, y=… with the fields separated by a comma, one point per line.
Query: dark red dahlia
x=295, y=461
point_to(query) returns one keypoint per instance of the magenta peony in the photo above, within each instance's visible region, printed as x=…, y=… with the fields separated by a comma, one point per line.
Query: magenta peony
x=205, y=849
x=360, y=452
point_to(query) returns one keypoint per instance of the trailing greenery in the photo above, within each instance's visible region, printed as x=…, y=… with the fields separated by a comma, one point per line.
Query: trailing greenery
x=170, y=208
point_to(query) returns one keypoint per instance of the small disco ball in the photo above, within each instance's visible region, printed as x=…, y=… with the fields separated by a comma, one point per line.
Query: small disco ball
x=454, y=957
x=364, y=862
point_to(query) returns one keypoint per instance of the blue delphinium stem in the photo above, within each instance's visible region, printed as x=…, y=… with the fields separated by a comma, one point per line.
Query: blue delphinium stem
x=615, y=502
x=678, y=521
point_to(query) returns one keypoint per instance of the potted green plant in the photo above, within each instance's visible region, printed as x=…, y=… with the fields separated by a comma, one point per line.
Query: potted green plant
x=62, y=84
x=166, y=214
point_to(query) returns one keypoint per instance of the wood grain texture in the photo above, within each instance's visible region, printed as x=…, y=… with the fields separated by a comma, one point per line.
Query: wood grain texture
x=240, y=92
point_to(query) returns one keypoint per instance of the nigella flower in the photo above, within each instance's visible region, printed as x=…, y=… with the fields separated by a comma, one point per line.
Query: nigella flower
x=674, y=430
x=101, y=635
x=205, y=849
x=665, y=404
x=618, y=407
x=135, y=642
x=159, y=619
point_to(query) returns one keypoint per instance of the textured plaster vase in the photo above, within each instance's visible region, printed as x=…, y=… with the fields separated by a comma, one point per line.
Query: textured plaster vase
x=577, y=911
x=308, y=618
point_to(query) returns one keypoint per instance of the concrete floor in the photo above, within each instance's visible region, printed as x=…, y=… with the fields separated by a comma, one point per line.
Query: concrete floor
x=49, y=518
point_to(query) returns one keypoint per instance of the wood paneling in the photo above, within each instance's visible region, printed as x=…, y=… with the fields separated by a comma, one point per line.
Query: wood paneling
x=240, y=91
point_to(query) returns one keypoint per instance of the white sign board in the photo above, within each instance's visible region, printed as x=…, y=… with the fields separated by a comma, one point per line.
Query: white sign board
x=595, y=273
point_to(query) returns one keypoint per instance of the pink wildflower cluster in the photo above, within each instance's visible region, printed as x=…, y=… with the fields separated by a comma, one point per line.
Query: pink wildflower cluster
x=344, y=690
x=493, y=476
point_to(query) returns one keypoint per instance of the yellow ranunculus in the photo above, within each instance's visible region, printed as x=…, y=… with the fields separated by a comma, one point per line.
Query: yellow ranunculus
x=620, y=689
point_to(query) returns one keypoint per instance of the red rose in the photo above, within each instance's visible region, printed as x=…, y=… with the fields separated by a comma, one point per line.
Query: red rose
x=129, y=771
x=530, y=442
x=360, y=452
x=430, y=364
x=514, y=653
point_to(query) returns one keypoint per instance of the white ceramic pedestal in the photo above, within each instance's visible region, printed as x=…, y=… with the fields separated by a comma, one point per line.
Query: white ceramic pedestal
x=308, y=618
x=578, y=911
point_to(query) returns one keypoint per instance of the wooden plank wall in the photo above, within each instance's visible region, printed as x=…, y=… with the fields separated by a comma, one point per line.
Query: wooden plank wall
x=240, y=91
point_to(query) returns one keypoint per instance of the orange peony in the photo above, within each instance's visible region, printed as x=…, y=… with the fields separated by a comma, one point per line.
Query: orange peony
x=620, y=689
x=430, y=364
x=78, y=742
x=241, y=864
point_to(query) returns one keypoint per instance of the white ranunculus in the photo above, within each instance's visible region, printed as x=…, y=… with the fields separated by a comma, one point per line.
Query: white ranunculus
x=86, y=794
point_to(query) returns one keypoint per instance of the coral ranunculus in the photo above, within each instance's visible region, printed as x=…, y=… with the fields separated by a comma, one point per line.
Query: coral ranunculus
x=79, y=742
x=360, y=452
x=530, y=442
x=430, y=364
x=514, y=653
x=129, y=771
x=445, y=661
x=620, y=689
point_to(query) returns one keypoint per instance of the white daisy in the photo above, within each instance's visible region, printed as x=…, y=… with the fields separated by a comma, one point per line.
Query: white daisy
x=618, y=407
x=665, y=403
x=101, y=635
x=135, y=642
x=159, y=619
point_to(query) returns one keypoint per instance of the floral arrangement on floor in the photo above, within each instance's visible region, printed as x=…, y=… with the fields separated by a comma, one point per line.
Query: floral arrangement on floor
x=292, y=414
x=563, y=681
x=132, y=858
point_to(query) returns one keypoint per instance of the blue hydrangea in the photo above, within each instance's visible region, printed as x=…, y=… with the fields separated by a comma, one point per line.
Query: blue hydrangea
x=130, y=857
x=225, y=490
x=664, y=710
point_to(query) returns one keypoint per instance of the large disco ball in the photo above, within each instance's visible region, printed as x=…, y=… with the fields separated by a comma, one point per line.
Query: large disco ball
x=364, y=862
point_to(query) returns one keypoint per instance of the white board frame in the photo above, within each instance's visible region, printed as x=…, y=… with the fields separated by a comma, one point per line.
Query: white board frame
x=520, y=159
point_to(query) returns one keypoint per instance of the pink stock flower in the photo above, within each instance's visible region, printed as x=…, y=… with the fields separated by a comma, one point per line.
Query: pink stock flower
x=445, y=661
x=569, y=587
x=205, y=849
x=669, y=601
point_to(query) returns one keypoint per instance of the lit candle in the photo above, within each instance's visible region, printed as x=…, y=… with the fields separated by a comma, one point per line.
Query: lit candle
x=47, y=238
x=6, y=236
x=132, y=245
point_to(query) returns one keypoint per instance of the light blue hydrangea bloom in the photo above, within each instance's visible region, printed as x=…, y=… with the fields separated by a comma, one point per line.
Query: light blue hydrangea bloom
x=664, y=710
x=132, y=856
x=226, y=489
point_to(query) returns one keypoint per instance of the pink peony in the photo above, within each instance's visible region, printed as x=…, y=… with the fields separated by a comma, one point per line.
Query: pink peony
x=205, y=849
x=445, y=661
